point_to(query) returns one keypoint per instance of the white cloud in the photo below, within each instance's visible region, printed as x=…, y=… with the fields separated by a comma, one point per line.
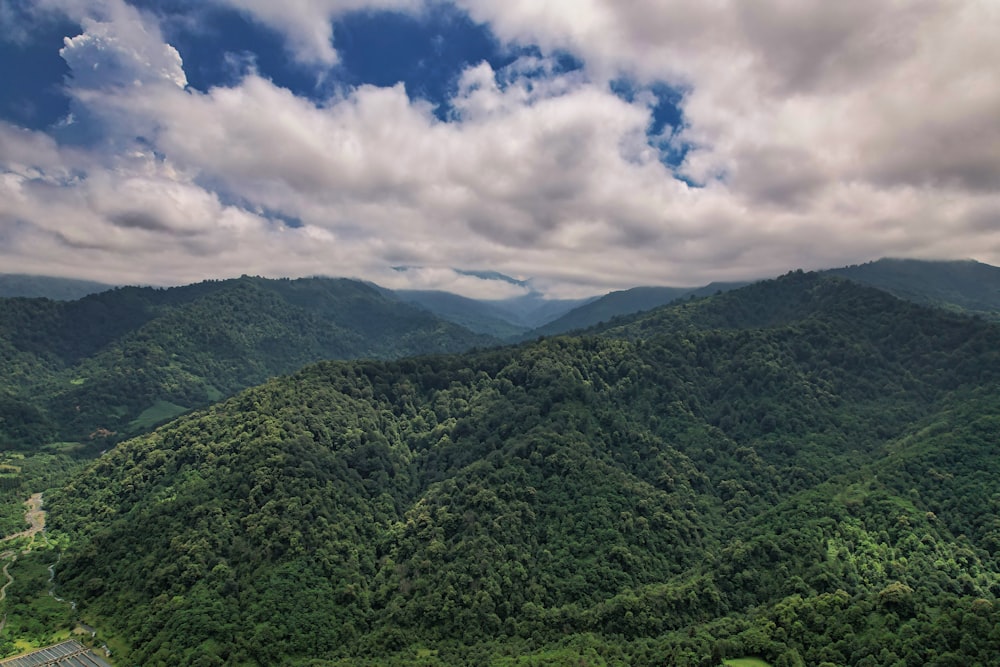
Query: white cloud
x=898, y=92
x=449, y=280
x=120, y=53
x=138, y=220
x=825, y=134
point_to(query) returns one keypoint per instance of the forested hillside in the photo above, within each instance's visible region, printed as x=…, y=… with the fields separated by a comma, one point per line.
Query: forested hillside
x=120, y=361
x=803, y=471
x=479, y=316
x=963, y=286
x=622, y=303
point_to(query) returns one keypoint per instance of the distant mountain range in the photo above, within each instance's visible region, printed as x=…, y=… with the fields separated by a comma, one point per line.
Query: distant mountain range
x=623, y=303
x=961, y=286
x=507, y=319
x=113, y=363
x=62, y=289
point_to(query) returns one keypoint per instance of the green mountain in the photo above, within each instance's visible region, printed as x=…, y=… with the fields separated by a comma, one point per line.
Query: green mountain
x=479, y=316
x=61, y=289
x=802, y=471
x=963, y=286
x=506, y=319
x=120, y=361
x=622, y=303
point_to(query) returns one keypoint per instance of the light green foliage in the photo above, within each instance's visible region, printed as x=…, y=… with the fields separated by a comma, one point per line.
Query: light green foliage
x=160, y=411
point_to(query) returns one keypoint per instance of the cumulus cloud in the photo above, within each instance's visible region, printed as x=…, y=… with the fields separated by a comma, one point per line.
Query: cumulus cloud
x=122, y=52
x=137, y=220
x=817, y=134
x=893, y=92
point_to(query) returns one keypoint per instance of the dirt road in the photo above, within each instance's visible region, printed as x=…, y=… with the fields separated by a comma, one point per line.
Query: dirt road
x=35, y=518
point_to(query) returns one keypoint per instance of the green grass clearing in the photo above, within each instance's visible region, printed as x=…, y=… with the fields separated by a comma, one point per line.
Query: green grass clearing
x=745, y=662
x=159, y=412
x=64, y=447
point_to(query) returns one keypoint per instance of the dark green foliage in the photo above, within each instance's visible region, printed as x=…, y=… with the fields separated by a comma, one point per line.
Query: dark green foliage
x=506, y=319
x=966, y=286
x=803, y=471
x=31, y=614
x=479, y=316
x=625, y=302
x=106, y=365
x=23, y=423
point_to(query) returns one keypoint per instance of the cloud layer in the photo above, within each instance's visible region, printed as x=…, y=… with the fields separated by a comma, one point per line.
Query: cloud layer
x=816, y=134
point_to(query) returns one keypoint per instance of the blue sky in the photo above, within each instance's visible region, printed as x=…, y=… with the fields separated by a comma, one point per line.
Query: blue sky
x=584, y=146
x=426, y=52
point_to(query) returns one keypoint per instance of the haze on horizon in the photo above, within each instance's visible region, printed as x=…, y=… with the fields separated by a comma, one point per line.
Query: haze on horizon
x=586, y=145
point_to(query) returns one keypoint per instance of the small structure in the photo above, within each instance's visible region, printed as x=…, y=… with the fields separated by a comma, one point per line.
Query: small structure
x=67, y=654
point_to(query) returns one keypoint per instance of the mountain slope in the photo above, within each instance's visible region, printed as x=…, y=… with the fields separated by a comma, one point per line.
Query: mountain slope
x=740, y=475
x=121, y=360
x=622, y=303
x=479, y=316
x=507, y=319
x=62, y=289
x=965, y=286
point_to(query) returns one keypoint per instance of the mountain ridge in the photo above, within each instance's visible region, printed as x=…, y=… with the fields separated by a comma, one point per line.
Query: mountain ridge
x=962, y=285
x=100, y=363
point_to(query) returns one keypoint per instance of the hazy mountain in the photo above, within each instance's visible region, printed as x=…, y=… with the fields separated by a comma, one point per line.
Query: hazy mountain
x=121, y=360
x=967, y=286
x=802, y=470
x=625, y=302
x=507, y=319
x=534, y=310
x=480, y=316
x=61, y=289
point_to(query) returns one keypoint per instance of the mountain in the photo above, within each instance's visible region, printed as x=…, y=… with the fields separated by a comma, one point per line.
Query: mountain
x=802, y=470
x=506, y=319
x=118, y=362
x=625, y=302
x=61, y=289
x=963, y=286
x=478, y=316
x=534, y=310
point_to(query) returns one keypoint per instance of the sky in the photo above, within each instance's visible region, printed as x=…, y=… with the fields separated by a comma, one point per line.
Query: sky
x=579, y=146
